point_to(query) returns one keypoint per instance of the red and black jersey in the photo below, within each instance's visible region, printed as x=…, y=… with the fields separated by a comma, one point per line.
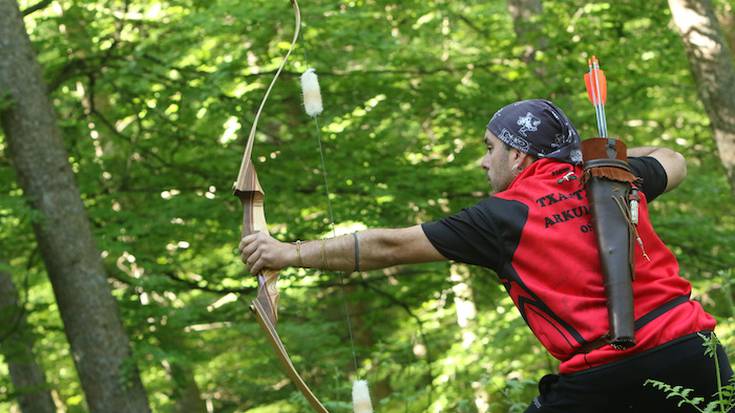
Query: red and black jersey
x=538, y=237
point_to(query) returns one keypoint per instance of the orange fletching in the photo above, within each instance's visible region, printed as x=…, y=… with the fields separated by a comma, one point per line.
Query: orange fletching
x=595, y=77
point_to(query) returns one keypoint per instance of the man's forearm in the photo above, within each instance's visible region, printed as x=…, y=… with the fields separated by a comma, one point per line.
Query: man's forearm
x=374, y=248
x=366, y=250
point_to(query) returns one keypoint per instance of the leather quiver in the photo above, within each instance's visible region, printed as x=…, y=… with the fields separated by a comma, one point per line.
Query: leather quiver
x=608, y=180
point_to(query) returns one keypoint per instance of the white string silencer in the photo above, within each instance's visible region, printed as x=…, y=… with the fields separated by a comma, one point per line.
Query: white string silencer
x=312, y=93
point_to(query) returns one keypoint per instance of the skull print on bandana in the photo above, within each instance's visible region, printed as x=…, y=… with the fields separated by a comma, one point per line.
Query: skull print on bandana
x=528, y=123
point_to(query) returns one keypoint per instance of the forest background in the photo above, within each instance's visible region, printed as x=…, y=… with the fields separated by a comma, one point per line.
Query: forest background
x=138, y=300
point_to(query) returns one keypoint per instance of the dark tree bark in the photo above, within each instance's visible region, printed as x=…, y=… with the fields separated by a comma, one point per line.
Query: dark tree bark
x=99, y=344
x=17, y=348
x=711, y=63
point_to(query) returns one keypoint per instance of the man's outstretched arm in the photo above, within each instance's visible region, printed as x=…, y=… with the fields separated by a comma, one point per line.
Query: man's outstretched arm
x=378, y=248
x=673, y=163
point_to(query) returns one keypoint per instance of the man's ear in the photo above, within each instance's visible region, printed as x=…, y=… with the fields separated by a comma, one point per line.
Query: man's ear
x=527, y=160
x=520, y=160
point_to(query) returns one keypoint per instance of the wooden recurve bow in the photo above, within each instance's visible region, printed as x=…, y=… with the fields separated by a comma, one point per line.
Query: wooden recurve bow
x=248, y=190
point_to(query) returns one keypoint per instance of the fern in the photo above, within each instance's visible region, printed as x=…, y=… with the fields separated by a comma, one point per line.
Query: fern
x=725, y=396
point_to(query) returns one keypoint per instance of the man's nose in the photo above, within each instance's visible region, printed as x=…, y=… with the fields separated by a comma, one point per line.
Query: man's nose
x=485, y=162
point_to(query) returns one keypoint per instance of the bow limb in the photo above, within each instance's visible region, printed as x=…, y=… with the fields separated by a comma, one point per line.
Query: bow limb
x=247, y=188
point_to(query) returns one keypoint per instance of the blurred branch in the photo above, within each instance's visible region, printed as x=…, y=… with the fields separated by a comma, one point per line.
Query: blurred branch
x=466, y=20
x=79, y=66
x=189, y=169
x=36, y=7
x=72, y=68
x=122, y=277
x=196, y=73
x=196, y=286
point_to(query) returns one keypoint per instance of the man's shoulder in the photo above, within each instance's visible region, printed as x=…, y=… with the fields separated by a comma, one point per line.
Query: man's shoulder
x=501, y=209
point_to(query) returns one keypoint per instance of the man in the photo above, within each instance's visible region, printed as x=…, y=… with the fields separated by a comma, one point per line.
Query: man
x=536, y=232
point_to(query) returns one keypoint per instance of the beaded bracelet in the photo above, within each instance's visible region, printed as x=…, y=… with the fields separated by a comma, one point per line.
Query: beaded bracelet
x=298, y=253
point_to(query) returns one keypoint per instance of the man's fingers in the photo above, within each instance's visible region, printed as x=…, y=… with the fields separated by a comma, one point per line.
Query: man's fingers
x=256, y=251
x=256, y=267
x=248, y=245
x=248, y=239
x=248, y=250
x=252, y=258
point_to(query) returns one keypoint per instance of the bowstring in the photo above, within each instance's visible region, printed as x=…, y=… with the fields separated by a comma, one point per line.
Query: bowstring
x=343, y=297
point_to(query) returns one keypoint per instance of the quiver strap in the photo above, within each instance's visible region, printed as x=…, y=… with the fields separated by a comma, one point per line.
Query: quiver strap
x=608, y=182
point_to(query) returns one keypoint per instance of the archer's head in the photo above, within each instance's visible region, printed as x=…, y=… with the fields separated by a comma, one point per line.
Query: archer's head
x=524, y=131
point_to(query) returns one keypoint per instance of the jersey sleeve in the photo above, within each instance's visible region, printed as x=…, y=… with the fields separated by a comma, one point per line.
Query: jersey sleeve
x=652, y=174
x=475, y=235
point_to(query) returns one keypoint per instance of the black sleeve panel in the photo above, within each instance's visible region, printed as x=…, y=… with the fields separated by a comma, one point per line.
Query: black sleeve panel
x=485, y=234
x=651, y=173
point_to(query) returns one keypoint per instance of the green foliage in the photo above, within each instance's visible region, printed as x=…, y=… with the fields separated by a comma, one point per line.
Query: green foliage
x=154, y=100
x=724, y=398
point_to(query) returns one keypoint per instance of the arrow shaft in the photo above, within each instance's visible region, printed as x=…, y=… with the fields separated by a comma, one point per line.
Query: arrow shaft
x=599, y=105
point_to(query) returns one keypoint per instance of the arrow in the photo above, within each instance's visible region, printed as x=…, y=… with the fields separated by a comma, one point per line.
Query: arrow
x=597, y=93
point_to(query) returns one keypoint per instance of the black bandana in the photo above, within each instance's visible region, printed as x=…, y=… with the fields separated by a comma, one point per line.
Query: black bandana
x=539, y=128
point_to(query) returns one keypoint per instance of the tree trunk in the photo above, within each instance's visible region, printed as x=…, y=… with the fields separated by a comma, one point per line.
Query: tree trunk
x=710, y=59
x=525, y=14
x=99, y=345
x=727, y=21
x=363, y=338
x=466, y=314
x=16, y=345
x=187, y=396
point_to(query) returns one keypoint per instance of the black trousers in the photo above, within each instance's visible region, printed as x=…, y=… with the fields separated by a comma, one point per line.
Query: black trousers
x=618, y=387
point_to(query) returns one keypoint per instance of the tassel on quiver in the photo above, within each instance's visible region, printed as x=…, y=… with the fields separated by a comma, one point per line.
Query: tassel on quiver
x=613, y=199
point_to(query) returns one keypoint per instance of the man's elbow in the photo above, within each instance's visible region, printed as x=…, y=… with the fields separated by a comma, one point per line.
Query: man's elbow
x=676, y=169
